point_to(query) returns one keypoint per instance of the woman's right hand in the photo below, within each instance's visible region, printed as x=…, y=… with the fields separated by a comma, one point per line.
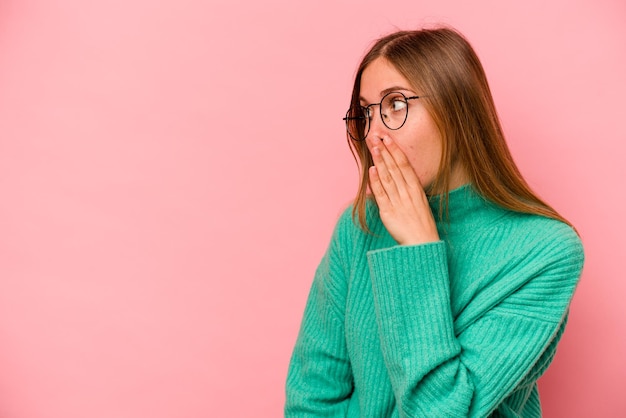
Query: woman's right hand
x=402, y=202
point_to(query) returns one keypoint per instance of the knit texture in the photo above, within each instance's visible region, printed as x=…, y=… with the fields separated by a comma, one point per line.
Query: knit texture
x=460, y=327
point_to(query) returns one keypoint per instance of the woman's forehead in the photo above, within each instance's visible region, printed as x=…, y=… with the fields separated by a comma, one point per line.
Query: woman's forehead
x=379, y=78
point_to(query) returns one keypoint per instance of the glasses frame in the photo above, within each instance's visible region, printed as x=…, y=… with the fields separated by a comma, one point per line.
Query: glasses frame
x=366, y=111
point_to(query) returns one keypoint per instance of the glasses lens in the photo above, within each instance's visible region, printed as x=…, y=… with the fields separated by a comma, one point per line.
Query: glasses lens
x=394, y=110
x=357, y=123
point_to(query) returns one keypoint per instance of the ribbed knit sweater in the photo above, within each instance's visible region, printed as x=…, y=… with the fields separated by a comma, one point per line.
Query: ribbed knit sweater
x=459, y=327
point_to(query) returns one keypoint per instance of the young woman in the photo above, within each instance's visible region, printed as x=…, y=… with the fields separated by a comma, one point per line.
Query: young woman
x=445, y=289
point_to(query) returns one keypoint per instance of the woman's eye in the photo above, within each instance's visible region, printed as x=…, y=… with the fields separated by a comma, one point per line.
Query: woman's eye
x=398, y=104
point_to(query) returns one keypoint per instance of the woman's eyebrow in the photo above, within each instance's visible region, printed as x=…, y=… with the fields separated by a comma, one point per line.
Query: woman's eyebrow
x=394, y=88
x=388, y=90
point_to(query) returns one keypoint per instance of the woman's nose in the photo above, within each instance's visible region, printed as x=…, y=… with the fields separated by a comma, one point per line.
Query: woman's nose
x=377, y=127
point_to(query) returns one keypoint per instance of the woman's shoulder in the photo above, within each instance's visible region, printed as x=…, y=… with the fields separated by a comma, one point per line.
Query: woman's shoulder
x=352, y=236
x=349, y=217
x=540, y=234
x=543, y=227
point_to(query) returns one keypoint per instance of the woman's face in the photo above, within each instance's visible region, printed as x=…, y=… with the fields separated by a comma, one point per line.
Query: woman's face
x=419, y=137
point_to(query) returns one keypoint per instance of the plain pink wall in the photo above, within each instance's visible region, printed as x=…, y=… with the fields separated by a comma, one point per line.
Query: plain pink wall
x=171, y=171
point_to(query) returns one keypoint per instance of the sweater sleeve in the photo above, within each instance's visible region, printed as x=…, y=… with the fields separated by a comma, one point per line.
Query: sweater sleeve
x=434, y=371
x=319, y=380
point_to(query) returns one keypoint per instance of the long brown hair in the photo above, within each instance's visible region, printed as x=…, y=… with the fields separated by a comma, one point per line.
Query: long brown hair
x=441, y=64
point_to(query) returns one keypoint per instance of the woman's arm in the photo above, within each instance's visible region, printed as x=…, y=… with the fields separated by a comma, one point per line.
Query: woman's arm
x=435, y=372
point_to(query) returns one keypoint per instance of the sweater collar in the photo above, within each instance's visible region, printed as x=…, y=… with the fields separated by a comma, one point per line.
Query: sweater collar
x=466, y=208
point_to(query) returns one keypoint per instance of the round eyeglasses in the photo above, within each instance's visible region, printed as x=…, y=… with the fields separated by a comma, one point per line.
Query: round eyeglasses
x=394, y=108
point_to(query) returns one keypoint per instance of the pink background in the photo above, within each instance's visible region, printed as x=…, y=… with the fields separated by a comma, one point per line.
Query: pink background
x=171, y=171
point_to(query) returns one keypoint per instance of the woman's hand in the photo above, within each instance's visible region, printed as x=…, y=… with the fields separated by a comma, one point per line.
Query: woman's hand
x=401, y=200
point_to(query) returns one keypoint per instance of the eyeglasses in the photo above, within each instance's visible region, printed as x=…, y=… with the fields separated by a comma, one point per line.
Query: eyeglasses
x=394, y=108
